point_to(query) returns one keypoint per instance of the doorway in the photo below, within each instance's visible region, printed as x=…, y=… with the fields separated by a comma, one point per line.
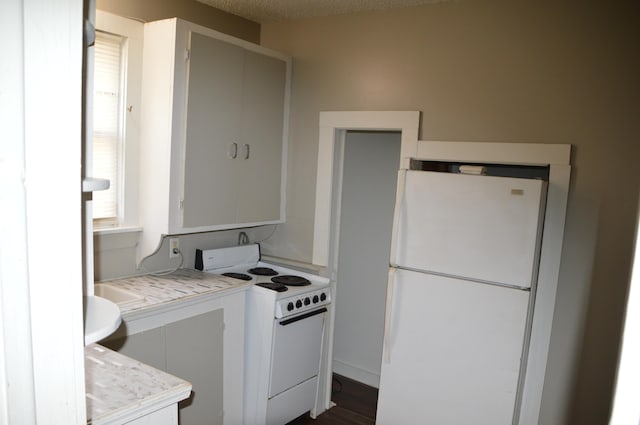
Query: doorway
x=369, y=174
x=334, y=126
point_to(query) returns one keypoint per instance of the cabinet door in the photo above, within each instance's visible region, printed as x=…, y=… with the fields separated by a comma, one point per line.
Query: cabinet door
x=263, y=104
x=194, y=351
x=146, y=347
x=214, y=107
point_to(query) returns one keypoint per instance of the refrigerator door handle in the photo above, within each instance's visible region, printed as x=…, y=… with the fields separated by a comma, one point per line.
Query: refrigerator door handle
x=398, y=210
x=386, y=349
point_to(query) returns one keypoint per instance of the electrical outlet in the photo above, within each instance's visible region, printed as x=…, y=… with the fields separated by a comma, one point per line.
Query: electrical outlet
x=174, y=248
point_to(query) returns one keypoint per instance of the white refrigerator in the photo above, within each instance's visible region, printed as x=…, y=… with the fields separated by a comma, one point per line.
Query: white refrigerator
x=464, y=261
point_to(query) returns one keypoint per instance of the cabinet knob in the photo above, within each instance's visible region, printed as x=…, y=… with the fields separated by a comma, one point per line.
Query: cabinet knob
x=233, y=150
x=247, y=151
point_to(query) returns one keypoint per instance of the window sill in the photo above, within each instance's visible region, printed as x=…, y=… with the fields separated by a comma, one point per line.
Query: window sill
x=116, y=230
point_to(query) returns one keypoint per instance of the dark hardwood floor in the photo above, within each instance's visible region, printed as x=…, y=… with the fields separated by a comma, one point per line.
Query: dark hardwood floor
x=355, y=405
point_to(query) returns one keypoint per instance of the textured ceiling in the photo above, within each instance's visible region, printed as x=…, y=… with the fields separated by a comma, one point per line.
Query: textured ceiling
x=278, y=10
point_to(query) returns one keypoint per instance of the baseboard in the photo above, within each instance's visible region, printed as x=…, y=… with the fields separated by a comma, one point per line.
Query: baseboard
x=356, y=373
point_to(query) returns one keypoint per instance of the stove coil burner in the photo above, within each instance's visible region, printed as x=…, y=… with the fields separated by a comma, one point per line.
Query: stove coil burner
x=291, y=280
x=278, y=287
x=240, y=276
x=262, y=271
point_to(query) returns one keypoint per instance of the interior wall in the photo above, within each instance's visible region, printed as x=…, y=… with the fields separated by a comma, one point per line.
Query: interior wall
x=115, y=253
x=189, y=10
x=370, y=171
x=495, y=70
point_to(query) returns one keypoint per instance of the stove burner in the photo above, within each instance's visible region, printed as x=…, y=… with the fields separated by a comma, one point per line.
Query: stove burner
x=278, y=287
x=262, y=271
x=240, y=276
x=291, y=280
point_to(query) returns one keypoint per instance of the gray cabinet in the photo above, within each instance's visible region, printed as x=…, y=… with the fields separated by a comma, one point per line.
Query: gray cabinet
x=213, y=132
x=234, y=142
x=262, y=133
x=194, y=352
x=147, y=347
x=191, y=349
x=213, y=119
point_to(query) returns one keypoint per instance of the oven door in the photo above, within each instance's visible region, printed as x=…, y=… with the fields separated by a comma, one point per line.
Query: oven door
x=297, y=345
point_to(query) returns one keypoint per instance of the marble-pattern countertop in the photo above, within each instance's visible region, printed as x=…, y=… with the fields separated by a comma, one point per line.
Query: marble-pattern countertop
x=119, y=389
x=179, y=285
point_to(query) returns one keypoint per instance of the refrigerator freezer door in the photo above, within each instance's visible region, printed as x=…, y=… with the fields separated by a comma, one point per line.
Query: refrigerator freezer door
x=478, y=227
x=453, y=353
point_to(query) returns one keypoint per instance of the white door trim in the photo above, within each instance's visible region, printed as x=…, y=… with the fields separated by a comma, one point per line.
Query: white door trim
x=557, y=156
x=42, y=372
x=326, y=226
x=330, y=122
x=333, y=128
x=17, y=392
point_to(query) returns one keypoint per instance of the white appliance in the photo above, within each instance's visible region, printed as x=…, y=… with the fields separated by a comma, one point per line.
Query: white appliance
x=284, y=332
x=464, y=263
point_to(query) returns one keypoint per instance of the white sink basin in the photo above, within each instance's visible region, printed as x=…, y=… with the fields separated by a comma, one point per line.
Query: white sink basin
x=101, y=319
x=115, y=294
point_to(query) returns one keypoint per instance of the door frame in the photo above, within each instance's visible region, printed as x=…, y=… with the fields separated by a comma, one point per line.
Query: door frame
x=333, y=128
x=333, y=131
x=41, y=304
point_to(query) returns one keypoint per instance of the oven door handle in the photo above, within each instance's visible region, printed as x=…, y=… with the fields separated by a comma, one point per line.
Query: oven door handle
x=302, y=317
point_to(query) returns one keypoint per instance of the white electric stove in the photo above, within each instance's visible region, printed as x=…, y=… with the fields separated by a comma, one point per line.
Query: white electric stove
x=284, y=332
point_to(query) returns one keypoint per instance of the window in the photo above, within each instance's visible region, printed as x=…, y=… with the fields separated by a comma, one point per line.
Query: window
x=116, y=117
x=108, y=129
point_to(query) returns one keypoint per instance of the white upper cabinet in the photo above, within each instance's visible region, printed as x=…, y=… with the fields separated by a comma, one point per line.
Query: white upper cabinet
x=214, y=132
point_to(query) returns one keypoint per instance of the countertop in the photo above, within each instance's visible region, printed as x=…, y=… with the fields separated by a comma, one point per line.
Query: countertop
x=166, y=298
x=181, y=285
x=120, y=389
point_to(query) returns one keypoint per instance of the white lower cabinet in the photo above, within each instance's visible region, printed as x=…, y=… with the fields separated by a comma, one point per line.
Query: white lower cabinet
x=191, y=349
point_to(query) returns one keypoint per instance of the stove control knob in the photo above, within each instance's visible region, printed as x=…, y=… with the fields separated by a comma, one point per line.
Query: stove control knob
x=290, y=306
x=307, y=301
x=315, y=299
x=298, y=304
x=323, y=297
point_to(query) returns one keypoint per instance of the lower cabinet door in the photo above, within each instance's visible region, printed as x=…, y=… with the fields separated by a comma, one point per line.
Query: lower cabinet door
x=191, y=349
x=147, y=347
x=194, y=350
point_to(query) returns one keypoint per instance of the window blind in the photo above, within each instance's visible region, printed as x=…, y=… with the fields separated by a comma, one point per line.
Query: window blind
x=107, y=122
